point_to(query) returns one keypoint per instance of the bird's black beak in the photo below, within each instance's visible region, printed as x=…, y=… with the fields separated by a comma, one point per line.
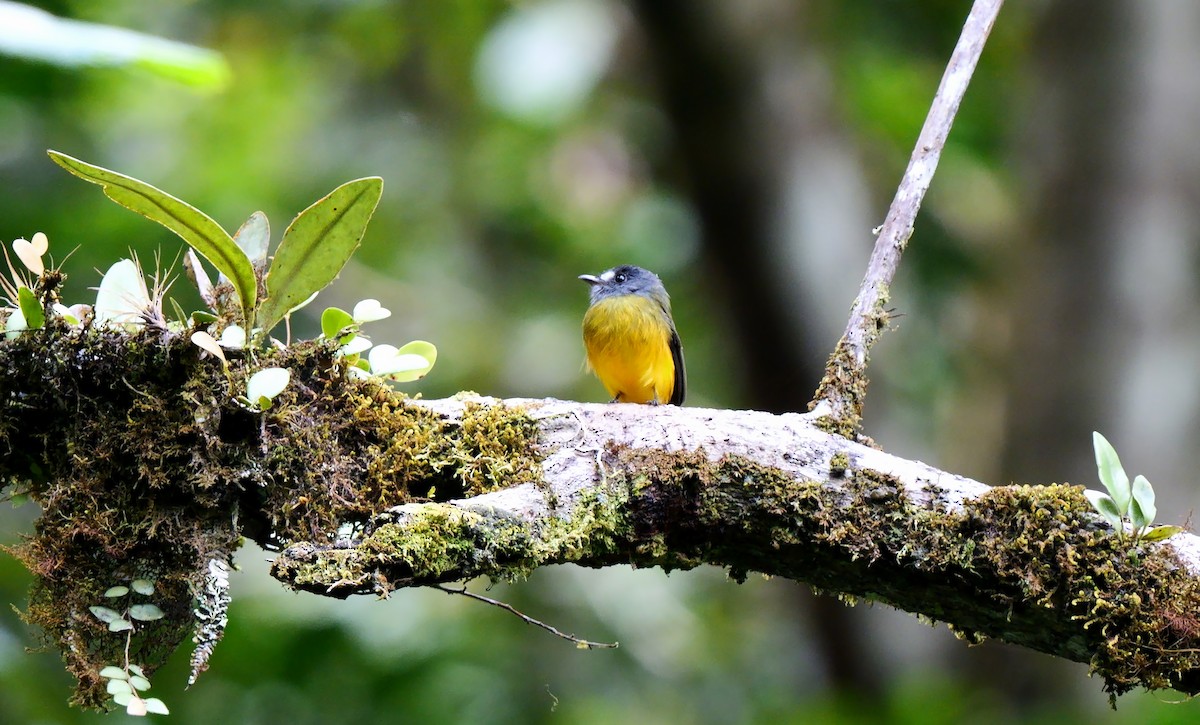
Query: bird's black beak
x=590, y=278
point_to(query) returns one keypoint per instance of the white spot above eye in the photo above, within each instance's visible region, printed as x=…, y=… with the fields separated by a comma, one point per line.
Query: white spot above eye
x=608, y=276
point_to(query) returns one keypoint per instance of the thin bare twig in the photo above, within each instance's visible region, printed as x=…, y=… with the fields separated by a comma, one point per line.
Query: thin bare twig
x=580, y=643
x=844, y=385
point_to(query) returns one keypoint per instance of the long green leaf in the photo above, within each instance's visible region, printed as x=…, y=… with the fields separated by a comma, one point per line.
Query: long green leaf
x=1107, y=508
x=31, y=308
x=1143, y=501
x=317, y=244
x=36, y=34
x=1112, y=473
x=192, y=225
x=1158, y=533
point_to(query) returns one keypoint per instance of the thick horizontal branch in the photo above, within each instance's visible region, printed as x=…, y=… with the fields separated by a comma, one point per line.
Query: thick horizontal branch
x=671, y=487
x=135, y=449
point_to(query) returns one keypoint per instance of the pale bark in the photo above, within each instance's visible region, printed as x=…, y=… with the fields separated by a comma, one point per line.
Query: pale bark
x=751, y=491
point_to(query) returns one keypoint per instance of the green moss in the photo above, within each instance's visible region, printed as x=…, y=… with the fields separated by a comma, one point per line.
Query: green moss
x=595, y=530
x=112, y=448
x=844, y=384
x=495, y=447
x=1013, y=563
x=144, y=466
x=843, y=380
x=838, y=464
x=388, y=453
x=142, y=463
x=1030, y=564
x=427, y=544
x=1134, y=606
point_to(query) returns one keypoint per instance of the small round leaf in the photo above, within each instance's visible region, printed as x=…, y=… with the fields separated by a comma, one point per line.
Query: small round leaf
x=207, y=343
x=156, y=706
x=334, y=320
x=408, y=363
x=370, y=310
x=267, y=383
x=1143, y=496
x=67, y=314
x=355, y=345
x=233, y=337
x=146, y=612
x=1158, y=533
x=104, y=614
x=15, y=324
x=31, y=308
x=30, y=252
x=1106, y=506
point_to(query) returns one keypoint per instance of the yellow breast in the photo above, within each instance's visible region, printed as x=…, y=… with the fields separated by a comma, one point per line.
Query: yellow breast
x=628, y=347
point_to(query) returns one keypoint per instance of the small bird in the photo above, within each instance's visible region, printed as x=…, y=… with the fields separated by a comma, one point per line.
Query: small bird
x=631, y=342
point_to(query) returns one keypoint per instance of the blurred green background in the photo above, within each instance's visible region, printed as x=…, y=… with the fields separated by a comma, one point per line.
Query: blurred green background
x=744, y=151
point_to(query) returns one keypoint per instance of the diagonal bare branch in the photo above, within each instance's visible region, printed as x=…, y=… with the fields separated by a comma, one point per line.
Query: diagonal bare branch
x=843, y=387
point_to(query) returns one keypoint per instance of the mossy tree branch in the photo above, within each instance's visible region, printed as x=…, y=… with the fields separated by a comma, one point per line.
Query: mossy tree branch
x=145, y=466
x=754, y=492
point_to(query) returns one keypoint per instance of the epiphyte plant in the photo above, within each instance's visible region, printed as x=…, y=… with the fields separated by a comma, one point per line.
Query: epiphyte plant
x=1129, y=505
x=314, y=249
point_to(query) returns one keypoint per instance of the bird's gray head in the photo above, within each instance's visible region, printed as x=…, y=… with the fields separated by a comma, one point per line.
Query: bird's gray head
x=627, y=280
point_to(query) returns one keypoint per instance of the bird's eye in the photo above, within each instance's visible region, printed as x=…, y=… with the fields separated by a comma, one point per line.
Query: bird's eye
x=620, y=278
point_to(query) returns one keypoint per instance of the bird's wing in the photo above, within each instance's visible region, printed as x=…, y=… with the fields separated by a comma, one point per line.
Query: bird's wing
x=680, y=376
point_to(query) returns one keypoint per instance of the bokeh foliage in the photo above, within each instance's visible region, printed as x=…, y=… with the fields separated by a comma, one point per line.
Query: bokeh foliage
x=498, y=195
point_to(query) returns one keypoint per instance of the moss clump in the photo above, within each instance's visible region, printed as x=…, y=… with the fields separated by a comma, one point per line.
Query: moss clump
x=838, y=464
x=389, y=452
x=437, y=539
x=844, y=379
x=146, y=467
x=432, y=542
x=1033, y=565
x=495, y=447
x=1135, y=606
x=423, y=543
x=115, y=446
x=345, y=452
x=844, y=384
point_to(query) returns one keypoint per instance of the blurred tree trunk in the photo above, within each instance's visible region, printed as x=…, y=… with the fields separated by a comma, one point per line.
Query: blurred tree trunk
x=1104, y=284
x=740, y=124
x=1063, y=308
x=1059, y=306
x=1151, y=395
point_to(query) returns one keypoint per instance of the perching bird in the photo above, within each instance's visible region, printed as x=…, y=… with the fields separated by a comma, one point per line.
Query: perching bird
x=631, y=341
